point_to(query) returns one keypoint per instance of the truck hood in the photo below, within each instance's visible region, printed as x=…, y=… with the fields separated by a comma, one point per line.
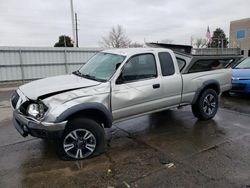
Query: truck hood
x=54, y=85
x=242, y=73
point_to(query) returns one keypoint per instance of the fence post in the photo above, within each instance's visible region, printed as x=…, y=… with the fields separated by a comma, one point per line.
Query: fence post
x=66, y=61
x=21, y=64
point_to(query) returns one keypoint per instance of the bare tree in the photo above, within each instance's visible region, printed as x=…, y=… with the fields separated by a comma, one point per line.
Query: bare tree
x=117, y=38
x=135, y=45
x=200, y=43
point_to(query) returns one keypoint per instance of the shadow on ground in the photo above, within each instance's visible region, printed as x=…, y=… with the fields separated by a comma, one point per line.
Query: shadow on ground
x=236, y=102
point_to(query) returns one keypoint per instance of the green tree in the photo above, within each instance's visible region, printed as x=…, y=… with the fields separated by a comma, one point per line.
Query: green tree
x=219, y=39
x=64, y=41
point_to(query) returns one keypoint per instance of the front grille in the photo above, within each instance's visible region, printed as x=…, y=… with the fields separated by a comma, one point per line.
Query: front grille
x=14, y=99
x=238, y=87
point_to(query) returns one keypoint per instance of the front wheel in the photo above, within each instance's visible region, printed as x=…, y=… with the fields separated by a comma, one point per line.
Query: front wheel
x=83, y=138
x=207, y=105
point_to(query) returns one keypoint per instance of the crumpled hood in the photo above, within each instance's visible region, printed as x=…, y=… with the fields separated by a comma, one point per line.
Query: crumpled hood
x=242, y=73
x=55, y=85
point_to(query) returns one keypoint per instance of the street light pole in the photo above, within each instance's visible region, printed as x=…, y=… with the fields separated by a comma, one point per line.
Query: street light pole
x=76, y=30
x=73, y=22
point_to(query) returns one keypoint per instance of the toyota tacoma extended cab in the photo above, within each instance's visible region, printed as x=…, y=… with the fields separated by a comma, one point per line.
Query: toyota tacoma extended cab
x=116, y=85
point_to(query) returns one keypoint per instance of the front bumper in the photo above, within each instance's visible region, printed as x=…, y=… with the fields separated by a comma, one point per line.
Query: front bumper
x=26, y=125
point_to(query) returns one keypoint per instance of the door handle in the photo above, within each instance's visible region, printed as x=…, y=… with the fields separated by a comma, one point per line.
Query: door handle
x=155, y=86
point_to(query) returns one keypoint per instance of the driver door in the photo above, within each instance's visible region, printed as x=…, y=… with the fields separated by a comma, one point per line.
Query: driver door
x=138, y=89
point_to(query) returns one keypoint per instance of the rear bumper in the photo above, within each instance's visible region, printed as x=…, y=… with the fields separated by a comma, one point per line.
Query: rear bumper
x=28, y=126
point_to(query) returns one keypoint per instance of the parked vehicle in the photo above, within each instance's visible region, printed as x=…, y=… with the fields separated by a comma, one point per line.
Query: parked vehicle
x=113, y=86
x=241, y=77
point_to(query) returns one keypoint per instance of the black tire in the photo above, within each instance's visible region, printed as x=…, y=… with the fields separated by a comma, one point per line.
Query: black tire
x=206, y=105
x=80, y=129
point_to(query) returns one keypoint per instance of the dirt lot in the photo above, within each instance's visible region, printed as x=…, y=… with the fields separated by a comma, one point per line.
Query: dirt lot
x=167, y=149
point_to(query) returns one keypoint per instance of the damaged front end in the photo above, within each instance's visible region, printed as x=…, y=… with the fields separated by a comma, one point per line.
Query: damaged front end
x=28, y=117
x=45, y=118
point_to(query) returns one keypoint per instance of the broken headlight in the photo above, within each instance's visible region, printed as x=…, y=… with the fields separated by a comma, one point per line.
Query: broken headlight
x=36, y=110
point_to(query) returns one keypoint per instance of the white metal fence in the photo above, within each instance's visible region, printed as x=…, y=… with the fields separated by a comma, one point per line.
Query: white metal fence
x=29, y=63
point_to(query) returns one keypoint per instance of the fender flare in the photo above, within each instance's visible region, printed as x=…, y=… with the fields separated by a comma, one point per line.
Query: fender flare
x=204, y=85
x=87, y=106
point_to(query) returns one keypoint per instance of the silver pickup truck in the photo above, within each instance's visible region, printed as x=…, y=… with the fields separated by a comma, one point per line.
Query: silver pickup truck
x=112, y=86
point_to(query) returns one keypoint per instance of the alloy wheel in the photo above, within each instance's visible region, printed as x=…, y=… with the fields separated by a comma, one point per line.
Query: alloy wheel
x=209, y=104
x=79, y=143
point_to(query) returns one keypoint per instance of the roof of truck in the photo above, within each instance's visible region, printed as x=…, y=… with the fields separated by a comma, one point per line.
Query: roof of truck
x=132, y=51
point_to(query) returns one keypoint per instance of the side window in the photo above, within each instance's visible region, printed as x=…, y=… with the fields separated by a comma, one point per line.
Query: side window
x=167, y=64
x=181, y=63
x=139, y=67
x=226, y=62
x=209, y=64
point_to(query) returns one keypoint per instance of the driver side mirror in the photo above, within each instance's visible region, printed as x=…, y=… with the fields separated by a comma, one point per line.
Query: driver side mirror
x=117, y=66
x=120, y=80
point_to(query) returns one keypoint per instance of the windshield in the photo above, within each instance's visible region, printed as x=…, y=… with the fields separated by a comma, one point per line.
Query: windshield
x=101, y=67
x=245, y=64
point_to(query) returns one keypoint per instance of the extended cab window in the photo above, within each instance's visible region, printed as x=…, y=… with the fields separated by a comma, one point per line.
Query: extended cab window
x=181, y=63
x=167, y=64
x=140, y=67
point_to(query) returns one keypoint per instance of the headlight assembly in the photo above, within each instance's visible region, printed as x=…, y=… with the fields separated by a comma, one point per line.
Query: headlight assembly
x=36, y=110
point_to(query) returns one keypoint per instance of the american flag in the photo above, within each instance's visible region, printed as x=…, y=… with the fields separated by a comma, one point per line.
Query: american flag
x=208, y=35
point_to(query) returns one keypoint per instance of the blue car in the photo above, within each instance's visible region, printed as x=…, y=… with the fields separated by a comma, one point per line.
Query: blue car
x=241, y=77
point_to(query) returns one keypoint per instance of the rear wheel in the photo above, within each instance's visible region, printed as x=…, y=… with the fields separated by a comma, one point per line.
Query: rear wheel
x=83, y=138
x=206, y=106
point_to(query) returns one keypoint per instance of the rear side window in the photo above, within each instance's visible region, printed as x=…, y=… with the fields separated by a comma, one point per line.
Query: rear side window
x=226, y=62
x=209, y=64
x=167, y=65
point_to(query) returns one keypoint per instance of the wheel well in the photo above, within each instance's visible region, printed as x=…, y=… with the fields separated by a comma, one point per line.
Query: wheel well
x=93, y=114
x=214, y=86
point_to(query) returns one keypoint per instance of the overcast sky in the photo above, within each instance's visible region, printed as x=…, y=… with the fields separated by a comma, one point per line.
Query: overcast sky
x=40, y=22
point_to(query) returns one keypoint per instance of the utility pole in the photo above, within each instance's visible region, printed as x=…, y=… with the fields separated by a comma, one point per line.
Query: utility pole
x=72, y=19
x=76, y=30
x=64, y=40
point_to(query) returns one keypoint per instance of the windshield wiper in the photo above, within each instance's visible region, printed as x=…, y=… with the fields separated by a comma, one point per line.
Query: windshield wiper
x=93, y=78
x=78, y=73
